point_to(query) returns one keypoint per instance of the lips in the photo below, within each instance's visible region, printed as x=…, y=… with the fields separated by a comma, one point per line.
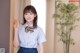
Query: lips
x=28, y=18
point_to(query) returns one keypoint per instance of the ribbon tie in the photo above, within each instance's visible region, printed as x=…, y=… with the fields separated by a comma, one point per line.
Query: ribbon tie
x=28, y=28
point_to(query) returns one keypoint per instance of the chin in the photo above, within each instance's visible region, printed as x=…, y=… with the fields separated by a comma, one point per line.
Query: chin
x=29, y=21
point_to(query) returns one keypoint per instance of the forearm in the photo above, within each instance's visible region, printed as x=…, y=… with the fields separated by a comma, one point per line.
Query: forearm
x=41, y=48
x=16, y=38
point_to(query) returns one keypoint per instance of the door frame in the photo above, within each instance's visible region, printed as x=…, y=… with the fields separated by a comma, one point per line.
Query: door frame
x=11, y=47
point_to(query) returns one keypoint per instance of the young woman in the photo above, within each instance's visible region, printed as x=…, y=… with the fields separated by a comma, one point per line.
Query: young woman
x=28, y=35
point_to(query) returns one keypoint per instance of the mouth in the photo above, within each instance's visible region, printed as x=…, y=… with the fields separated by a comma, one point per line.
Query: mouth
x=28, y=18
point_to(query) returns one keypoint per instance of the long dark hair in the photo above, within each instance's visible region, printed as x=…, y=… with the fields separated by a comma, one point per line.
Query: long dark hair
x=27, y=9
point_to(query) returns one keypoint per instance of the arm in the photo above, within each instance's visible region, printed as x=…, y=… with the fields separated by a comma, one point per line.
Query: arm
x=41, y=48
x=16, y=38
x=41, y=40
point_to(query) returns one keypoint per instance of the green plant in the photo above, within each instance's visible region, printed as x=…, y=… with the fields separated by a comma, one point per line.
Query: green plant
x=65, y=21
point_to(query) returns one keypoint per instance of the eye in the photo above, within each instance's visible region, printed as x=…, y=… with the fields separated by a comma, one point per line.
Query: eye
x=31, y=13
x=26, y=13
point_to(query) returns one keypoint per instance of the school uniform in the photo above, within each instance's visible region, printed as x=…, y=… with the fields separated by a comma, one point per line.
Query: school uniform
x=29, y=41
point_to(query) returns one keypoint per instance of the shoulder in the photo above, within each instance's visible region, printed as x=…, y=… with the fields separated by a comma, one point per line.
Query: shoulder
x=21, y=26
x=39, y=28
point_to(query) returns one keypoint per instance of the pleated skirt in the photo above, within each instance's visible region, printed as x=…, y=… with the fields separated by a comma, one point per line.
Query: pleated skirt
x=27, y=50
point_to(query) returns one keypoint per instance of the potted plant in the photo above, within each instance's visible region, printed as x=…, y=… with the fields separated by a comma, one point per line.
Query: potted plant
x=65, y=17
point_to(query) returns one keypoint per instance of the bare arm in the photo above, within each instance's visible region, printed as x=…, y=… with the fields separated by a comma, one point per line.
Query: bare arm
x=41, y=48
x=16, y=38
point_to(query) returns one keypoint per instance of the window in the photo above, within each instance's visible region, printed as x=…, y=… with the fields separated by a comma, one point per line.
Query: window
x=40, y=6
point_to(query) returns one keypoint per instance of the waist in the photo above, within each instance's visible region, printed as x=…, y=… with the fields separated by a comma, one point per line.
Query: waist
x=28, y=48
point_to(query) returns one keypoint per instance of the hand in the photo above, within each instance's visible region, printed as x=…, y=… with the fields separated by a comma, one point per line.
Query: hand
x=16, y=24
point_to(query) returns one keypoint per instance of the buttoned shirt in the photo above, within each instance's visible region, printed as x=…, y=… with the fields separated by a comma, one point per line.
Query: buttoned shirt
x=31, y=39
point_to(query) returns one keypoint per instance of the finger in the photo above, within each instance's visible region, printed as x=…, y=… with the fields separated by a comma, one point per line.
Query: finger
x=16, y=23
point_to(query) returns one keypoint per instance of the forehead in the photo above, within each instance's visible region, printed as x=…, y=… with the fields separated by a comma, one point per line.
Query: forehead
x=28, y=11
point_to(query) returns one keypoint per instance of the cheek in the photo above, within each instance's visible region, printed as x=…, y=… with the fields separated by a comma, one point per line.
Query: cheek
x=32, y=16
x=25, y=16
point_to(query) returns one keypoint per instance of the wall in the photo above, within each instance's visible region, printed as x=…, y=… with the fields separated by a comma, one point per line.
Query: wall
x=49, y=45
x=4, y=24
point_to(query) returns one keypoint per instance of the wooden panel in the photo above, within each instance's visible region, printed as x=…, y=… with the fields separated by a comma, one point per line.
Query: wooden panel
x=11, y=26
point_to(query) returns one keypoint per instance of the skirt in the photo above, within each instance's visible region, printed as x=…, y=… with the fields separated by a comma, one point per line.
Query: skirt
x=27, y=50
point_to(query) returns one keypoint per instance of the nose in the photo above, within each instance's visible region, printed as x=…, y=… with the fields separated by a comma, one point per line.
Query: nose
x=28, y=15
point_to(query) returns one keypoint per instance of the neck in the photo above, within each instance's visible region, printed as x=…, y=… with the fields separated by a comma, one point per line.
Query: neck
x=30, y=23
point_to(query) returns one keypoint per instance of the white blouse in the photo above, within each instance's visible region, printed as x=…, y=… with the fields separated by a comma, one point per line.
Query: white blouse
x=31, y=40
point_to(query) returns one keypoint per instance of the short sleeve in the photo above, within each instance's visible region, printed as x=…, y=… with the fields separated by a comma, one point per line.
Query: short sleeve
x=20, y=30
x=41, y=36
x=20, y=27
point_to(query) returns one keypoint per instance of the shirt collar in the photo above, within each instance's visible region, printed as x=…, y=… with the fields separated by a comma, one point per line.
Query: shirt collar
x=27, y=25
